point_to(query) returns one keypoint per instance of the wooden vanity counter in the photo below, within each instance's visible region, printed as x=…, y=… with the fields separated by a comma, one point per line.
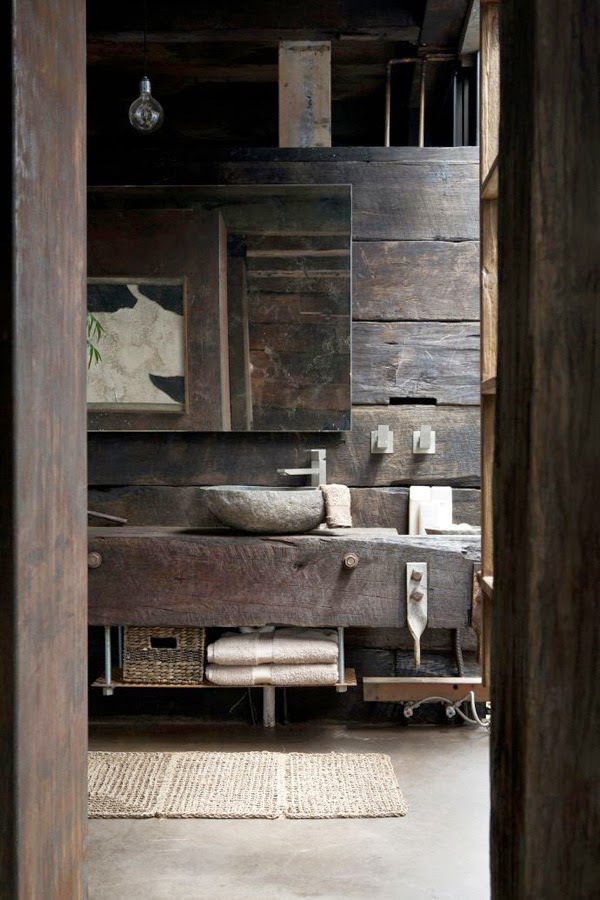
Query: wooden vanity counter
x=186, y=577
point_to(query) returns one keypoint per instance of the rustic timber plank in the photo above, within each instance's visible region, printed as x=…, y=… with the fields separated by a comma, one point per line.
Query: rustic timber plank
x=431, y=197
x=443, y=22
x=437, y=360
x=401, y=690
x=305, y=94
x=490, y=86
x=177, y=459
x=260, y=21
x=489, y=288
x=395, y=280
x=155, y=576
x=385, y=507
x=43, y=727
x=546, y=629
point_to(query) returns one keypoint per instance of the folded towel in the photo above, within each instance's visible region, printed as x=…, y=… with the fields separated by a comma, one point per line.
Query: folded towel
x=337, y=505
x=285, y=646
x=279, y=676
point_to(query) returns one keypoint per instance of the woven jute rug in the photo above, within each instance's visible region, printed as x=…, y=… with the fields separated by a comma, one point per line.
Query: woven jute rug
x=243, y=786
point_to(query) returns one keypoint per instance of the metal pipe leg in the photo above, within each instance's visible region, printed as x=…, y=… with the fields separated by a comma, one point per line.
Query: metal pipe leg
x=269, y=720
x=341, y=686
x=120, y=645
x=108, y=689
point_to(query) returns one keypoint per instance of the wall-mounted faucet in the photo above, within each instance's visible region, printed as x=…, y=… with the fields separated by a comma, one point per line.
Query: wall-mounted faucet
x=317, y=471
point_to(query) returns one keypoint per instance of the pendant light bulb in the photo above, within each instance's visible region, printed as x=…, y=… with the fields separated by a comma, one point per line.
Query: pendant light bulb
x=146, y=114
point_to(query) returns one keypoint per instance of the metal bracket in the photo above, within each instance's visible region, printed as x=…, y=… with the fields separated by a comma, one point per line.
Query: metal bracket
x=107, y=690
x=424, y=440
x=341, y=686
x=416, y=604
x=382, y=440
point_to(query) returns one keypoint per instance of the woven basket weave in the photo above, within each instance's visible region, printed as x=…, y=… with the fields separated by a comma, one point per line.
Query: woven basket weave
x=159, y=664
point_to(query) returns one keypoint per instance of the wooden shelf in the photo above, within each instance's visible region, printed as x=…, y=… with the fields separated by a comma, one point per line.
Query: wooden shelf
x=390, y=690
x=488, y=385
x=487, y=585
x=489, y=186
x=117, y=682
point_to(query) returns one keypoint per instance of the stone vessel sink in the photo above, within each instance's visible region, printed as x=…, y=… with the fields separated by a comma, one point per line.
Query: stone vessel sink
x=267, y=510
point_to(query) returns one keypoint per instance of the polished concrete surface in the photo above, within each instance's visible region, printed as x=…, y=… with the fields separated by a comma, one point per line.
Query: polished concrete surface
x=439, y=851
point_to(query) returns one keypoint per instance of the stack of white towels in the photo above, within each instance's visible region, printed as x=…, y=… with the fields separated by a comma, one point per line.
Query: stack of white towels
x=283, y=657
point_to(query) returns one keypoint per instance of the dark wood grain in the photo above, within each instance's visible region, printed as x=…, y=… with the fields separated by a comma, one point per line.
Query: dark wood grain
x=546, y=628
x=437, y=360
x=190, y=579
x=443, y=23
x=428, y=280
x=136, y=459
x=384, y=507
x=43, y=729
x=431, y=196
x=236, y=20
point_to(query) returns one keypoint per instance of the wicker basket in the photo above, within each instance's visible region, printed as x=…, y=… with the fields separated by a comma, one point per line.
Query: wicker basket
x=163, y=655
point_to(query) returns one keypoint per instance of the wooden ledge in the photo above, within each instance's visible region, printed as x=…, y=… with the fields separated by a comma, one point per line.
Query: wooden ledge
x=390, y=690
x=117, y=682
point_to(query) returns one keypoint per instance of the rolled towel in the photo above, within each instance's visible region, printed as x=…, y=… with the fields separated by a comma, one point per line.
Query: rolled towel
x=337, y=505
x=285, y=646
x=278, y=676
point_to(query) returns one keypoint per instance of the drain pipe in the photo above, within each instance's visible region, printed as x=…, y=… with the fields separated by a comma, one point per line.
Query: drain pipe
x=438, y=57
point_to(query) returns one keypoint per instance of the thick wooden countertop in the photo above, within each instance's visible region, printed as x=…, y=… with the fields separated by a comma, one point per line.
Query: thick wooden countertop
x=185, y=577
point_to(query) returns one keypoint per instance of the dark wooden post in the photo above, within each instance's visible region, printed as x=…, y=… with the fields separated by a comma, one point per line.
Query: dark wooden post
x=42, y=440
x=546, y=735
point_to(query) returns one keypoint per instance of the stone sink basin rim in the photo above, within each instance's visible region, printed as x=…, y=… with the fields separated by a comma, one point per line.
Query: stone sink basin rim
x=267, y=510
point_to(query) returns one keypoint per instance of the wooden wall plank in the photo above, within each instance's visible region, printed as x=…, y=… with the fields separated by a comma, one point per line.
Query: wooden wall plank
x=489, y=288
x=383, y=507
x=490, y=85
x=43, y=612
x=305, y=94
x=210, y=458
x=546, y=628
x=394, y=280
x=436, y=360
x=432, y=197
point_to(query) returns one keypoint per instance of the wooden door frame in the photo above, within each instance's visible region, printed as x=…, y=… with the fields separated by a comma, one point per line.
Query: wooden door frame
x=43, y=611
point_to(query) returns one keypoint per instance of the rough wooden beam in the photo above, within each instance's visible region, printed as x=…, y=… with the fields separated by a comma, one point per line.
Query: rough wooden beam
x=209, y=458
x=189, y=579
x=410, y=360
x=305, y=94
x=427, y=280
x=385, y=507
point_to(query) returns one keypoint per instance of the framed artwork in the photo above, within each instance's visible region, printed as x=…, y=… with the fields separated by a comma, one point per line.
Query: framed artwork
x=157, y=286
x=141, y=362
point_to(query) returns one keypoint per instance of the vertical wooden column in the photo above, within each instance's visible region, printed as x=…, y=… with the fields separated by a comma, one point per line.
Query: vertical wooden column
x=546, y=734
x=43, y=573
x=305, y=94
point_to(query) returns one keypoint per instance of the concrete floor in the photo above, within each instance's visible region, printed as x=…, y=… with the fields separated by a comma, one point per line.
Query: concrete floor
x=439, y=850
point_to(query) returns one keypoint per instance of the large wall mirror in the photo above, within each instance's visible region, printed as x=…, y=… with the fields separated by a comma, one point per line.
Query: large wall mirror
x=220, y=308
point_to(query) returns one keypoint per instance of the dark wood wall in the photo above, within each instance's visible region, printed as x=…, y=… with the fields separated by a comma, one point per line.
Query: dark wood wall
x=415, y=342
x=43, y=603
x=415, y=330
